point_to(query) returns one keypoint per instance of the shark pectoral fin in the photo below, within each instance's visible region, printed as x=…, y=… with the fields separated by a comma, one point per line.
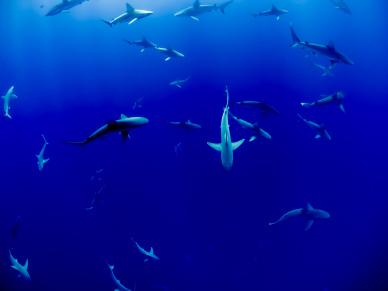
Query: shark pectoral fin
x=124, y=135
x=215, y=146
x=318, y=136
x=342, y=108
x=237, y=144
x=278, y=18
x=14, y=96
x=265, y=134
x=46, y=160
x=132, y=21
x=327, y=135
x=252, y=138
x=194, y=18
x=167, y=59
x=146, y=260
x=309, y=224
x=142, y=50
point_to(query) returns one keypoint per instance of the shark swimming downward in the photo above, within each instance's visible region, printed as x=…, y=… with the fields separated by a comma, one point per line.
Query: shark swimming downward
x=22, y=269
x=40, y=157
x=6, y=99
x=226, y=146
x=308, y=212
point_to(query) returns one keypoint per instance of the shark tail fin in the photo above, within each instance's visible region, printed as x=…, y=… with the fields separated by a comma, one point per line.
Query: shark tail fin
x=107, y=22
x=237, y=144
x=111, y=267
x=295, y=38
x=44, y=139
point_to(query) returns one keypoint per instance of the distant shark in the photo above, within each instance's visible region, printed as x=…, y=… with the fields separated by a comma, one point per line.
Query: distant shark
x=341, y=5
x=149, y=255
x=262, y=106
x=7, y=99
x=179, y=83
x=187, y=124
x=320, y=129
x=170, y=53
x=328, y=50
x=226, y=146
x=274, y=11
x=326, y=70
x=143, y=43
x=252, y=126
x=118, y=285
x=130, y=16
x=122, y=125
x=22, y=269
x=309, y=213
x=336, y=98
x=40, y=157
x=196, y=9
x=65, y=5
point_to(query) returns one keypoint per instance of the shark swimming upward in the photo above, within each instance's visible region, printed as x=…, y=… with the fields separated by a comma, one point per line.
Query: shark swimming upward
x=41, y=160
x=22, y=269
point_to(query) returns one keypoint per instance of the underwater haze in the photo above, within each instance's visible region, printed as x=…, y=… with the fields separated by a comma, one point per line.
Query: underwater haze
x=107, y=200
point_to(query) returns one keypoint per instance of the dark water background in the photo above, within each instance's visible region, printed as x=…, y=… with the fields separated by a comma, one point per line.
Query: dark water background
x=72, y=74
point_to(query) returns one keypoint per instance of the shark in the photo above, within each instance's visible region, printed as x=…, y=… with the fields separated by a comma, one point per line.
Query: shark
x=22, y=269
x=187, y=124
x=328, y=50
x=274, y=11
x=262, y=106
x=40, y=157
x=118, y=285
x=309, y=213
x=221, y=7
x=335, y=98
x=320, y=129
x=122, y=125
x=130, y=16
x=341, y=5
x=252, y=126
x=170, y=53
x=143, y=43
x=179, y=83
x=196, y=9
x=7, y=99
x=149, y=254
x=65, y=5
x=226, y=147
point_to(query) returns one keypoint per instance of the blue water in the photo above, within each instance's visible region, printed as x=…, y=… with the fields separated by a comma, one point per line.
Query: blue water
x=72, y=74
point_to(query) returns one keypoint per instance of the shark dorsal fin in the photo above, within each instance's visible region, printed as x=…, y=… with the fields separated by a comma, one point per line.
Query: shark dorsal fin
x=331, y=45
x=123, y=116
x=129, y=8
x=65, y=1
x=26, y=264
x=151, y=250
x=309, y=207
x=196, y=4
x=274, y=8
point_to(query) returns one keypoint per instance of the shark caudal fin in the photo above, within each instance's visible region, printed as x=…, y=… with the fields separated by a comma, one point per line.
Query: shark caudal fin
x=295, y=39
x=237, y=144
x=215, y=146
x=79, y=143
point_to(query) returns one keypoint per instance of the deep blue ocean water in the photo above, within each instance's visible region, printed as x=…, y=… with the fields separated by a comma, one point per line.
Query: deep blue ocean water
x=72, y=73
